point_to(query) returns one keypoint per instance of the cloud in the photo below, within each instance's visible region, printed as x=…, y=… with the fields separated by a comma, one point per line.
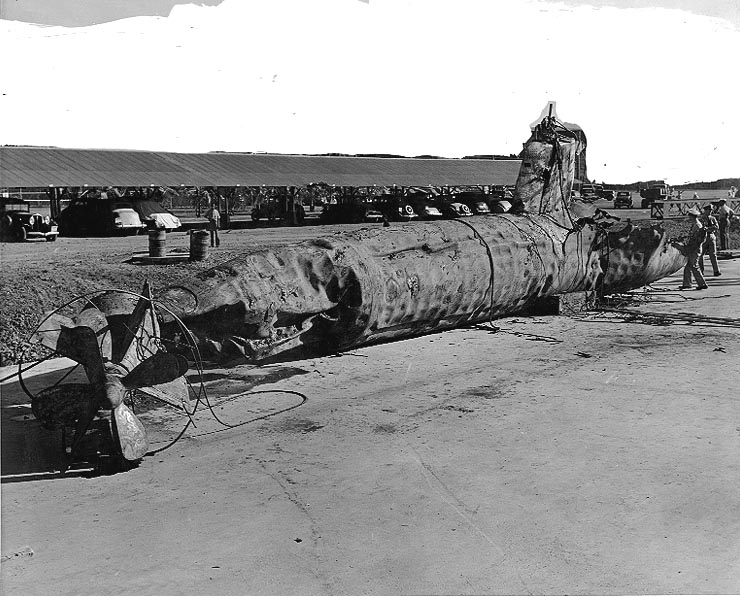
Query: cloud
x=80, y=13
x=728, y=10
x=393, y=76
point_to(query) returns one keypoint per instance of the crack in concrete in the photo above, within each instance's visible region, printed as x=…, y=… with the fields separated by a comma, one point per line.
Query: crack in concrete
x=448, y=496
x=283, y=481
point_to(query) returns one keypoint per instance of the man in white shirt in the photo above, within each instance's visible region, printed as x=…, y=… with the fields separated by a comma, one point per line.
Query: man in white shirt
x=214, y=223
x=724, y=216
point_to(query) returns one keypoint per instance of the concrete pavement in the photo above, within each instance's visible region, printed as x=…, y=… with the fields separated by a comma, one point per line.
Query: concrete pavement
x=584, y=454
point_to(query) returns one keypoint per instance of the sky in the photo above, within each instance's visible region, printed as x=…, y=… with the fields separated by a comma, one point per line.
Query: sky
x=652, y=83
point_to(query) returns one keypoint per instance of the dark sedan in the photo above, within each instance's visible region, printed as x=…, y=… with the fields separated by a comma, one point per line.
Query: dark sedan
x=99, y=217
x=395, y=208
x=424, y=206
x=477, y=202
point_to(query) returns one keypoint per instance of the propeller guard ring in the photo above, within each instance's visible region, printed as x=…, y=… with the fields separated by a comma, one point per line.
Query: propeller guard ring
x=76, y=404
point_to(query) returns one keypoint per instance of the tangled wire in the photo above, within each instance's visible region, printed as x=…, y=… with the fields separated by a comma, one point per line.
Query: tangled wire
x=622, y=305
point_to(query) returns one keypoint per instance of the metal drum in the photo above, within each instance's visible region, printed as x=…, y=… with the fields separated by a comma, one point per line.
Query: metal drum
x=157, y=243
x=198, y=245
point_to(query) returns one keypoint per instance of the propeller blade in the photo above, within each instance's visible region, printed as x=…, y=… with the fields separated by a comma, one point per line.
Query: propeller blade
x=117, y=308
x=97, y=321
x=78, y=343
x=163, y=367
x=142, y=329
x=48, y=333
x=176, y=393
x=130, y=433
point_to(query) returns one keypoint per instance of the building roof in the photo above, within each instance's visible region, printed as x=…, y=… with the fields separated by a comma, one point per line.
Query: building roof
x=46, y=166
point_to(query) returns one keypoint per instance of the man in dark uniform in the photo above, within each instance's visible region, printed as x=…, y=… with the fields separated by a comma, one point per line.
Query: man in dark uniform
x=693, y=245
x=709, y=247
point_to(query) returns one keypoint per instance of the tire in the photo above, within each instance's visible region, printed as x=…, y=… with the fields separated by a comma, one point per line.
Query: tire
x=22, y=234
x=51, y=238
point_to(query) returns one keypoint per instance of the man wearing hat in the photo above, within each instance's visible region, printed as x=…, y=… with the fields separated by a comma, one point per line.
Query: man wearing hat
x=693, y=245
x=709, y=247
x=724, y=216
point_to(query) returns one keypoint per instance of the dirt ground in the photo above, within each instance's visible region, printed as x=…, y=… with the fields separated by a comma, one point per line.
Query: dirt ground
x=576, y=454
x=39, y=276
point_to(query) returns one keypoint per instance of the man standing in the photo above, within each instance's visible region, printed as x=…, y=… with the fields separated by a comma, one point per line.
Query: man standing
x=693, y=245
x=214, y=222
x=724, y=217
x=709, y=247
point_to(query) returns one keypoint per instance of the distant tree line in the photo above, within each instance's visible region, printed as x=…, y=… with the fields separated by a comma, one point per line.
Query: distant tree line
x=721, y=184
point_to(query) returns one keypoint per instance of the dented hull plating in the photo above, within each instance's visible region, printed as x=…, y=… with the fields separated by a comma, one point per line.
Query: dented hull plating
x=380, y=284
x=386, y=283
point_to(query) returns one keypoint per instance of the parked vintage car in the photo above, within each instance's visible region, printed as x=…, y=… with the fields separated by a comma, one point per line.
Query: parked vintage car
x=501, y=206
x=499, y=191
x=477, y=202
x=99, y=217
x=156, y=217
x=395, y=208
x=354, y=211
x=424, y=206
x=451, y=208
x=18, y=222
x=623, y=199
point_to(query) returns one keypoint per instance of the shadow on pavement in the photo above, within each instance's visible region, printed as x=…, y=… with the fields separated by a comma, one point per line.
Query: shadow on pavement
x=31, y=452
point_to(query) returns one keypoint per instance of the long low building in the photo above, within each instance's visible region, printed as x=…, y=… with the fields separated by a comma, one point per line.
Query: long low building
x=24, y=167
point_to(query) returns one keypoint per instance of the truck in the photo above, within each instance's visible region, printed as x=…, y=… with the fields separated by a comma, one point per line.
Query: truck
x=591, y=192
x=655, y=191
x=279, y=206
